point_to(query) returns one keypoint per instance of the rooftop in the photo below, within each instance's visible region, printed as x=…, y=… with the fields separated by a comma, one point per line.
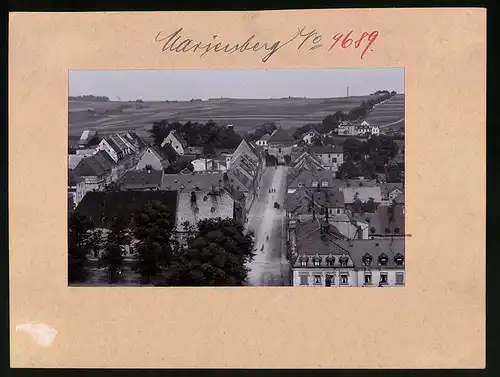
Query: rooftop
x=325, y=149
x=280, y=136
x=142, y=179
x=103, y=207
x=189, y=182
x=362, y=193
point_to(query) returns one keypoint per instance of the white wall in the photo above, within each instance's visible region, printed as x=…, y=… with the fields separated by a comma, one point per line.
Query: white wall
x=356, y=278
x=149, y=158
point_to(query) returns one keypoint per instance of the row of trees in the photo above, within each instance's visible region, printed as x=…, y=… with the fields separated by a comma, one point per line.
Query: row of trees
x=89, y=98
x=208, y=135
x=216, y=254
x=263, y=129
x=367, y=158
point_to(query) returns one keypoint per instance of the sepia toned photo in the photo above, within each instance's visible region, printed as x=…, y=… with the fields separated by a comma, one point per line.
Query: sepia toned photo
x=236, y=178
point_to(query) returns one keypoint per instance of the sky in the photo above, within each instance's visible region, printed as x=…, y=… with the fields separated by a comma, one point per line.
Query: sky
x=180, y=85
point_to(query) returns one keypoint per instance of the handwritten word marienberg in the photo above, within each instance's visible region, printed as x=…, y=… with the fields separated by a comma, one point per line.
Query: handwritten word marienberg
x=311, y=40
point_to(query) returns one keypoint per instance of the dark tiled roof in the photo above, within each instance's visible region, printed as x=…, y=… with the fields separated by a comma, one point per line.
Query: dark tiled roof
x=383, y=223
x=280, y=136
x=102, y=207
x=325, y=149
x=96, y=165
x=189, y=182
x=142, y=178
x=113, y=145
x=386, y=188
x=330, y=198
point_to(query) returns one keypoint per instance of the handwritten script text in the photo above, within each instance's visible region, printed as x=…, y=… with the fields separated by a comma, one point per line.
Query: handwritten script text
x=301, y=39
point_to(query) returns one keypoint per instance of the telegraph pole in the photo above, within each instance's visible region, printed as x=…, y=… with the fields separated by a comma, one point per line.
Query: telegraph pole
x=347, y=92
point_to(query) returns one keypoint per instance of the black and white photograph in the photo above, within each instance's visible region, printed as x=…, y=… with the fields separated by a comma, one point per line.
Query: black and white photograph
x=225, y=177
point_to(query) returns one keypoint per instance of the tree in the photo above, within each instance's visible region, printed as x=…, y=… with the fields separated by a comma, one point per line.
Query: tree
x=95, y=242
x=112, y=258
x=357, y=206
x=348, y=170
x=315, y=140
x=216, y=256
x=352, y=149
x=94, y=140
x=395, y=173
x=153, y=227
x=159, y=131
x=79, y=226
x=112, y=187
x=369, y=206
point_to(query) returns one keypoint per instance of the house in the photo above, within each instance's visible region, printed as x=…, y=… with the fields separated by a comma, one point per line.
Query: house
x=331, y=157
x=96, y=172
x=375, y=131
x=310, y=135
x=242, y=179
x=209, y=164
x=364, y=194
x=387, y=222
x=311, y=178
x=280, y=145
x=86, y=136
x=262, y=142
x=103, y=207
x=245, y=148
x=142, y=180
x=305, y=161
x=363, y=130
x=364, y=123
x=138, y=145
x=390, y=191
x=225, y=154
x=117, y=146
x=87, y=152
x=346, y=128
x=75, y=184
x=324, y=261
x=154, y=158
x=175, y=139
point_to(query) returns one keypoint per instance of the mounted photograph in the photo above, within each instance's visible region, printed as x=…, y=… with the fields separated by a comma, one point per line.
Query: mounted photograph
x=272, y=177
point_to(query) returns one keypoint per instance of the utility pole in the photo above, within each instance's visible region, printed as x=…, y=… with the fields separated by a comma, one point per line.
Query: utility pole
x=347, y=92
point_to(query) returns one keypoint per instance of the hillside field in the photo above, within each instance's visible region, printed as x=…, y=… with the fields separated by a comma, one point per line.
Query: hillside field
x=245, y=114
x=389, y=114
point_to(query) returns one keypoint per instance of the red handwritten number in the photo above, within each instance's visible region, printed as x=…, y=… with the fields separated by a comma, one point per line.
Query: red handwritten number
x=358, y=42
x=371, y=38
x=347, y=39
x=336, y=39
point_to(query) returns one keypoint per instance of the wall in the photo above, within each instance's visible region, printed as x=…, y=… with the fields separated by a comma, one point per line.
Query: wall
x=175, y=144
x=104, y=146
x=297, y=272
x=391, y=277
x=148, y=158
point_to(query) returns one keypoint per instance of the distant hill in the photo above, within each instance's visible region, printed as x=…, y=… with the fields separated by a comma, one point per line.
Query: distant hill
x=89, y=98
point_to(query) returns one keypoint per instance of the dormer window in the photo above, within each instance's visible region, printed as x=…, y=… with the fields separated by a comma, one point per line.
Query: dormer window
x=330, y=260
x=316, y=260
x=383, y=259
x=303, y=261
x=314, y=183
x=301, y=184
x=182, y=186
x=324, y=183
x=399, y=259
x=367, y=259
x=343, y=260
x=212, y=209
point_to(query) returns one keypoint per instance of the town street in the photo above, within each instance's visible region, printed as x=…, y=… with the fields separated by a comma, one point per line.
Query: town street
x=270, y=266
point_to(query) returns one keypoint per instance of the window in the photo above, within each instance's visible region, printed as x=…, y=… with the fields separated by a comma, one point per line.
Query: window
x=317, y=279
x=182, y=186
x=205, y=198
x=367, y=259
x=399, y=278
x=396, y=230
x=399, y=259
x=372, y=229
x=329, y=280
x=382, y=259
x=368, y=278
x=383, y=278
x=196, y=210
x=344, y=279
x=301, y=184
x=279, y=150
x=212, y=209
x=304, y=280
x=324, y=183
x=334, y=159
x=387, y=230
x=314, y=183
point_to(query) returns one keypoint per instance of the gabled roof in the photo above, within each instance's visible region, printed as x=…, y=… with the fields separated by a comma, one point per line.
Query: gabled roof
x=245, y=148
x=308, y=162
x=280, y=136
x=73, y=160
x=179, y=137
x=96, y=165
x=103, y=207
x=134, y=138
